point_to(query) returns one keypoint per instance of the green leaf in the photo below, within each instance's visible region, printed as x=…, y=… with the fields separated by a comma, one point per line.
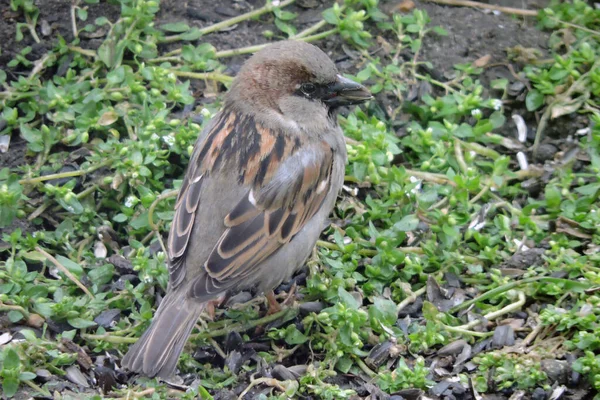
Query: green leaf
x=285, y=27
x=80, y=323
x=293, y=336
x=72, y=266
x=347, y=299
x=430, y=311
x=344, y=364
x=27, y=376
x=413, y=28
x=176, y=27
x=11, y=359
x=120, y=218
x=15, y=316
x=553, y=197
x=192, y=34
x=534, y=100
x=10, y=386
x=82, y=14
x=407, y=223
x=330, y=16
x=102, y=274
x=589, y=189
x=440, y=31
x=464, y=131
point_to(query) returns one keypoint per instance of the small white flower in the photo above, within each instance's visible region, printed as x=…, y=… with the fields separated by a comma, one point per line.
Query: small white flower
x=130, y=201
x=497, y=104
x=476, y=113
x=416, y=189
x=169, y=140
x=205, y=113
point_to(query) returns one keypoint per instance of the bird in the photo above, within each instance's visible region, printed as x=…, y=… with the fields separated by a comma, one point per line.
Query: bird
x=261, y=182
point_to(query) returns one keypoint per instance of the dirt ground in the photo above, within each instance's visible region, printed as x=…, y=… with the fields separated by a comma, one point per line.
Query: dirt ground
x=472, y=34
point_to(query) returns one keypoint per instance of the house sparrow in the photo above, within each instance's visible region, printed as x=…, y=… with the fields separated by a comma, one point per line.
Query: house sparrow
x=262, y=179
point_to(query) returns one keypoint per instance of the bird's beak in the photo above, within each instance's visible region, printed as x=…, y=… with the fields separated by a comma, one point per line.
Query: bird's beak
x=345, y=92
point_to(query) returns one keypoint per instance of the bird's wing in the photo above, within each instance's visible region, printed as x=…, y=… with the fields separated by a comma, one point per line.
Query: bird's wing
x=287, y=183
x=267, y=218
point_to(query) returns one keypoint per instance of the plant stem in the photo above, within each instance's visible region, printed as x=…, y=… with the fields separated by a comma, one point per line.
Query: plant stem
x=481, y=150
x=511, y=285
x=240, y=18
x=459, y=157
x=106, y=337
x=31, y=27
x=493, y=315
x=431, y=177
x=163, y=196
x=475, y=4
x=71, y=174
x=215, y=76
x=410, y=299
x=462, y=331
x=310, y=30
x=11, y=307
x=286, y=315
x=73, y=20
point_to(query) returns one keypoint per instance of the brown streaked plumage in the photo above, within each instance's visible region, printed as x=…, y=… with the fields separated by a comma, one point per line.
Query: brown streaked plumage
x=260, y=184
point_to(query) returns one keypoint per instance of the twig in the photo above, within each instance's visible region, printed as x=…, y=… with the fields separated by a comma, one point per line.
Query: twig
x=73, y=20
x=475, y=4
x=64, y=270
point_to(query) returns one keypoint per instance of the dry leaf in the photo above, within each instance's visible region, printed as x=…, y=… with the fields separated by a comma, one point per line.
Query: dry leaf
x=482, y=61
x=405, y=6
x=108, y=118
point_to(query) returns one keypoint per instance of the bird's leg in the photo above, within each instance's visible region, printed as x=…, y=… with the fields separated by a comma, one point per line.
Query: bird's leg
x=290, y=297
x=213, y=304
x=274, y=306
x=210, y=309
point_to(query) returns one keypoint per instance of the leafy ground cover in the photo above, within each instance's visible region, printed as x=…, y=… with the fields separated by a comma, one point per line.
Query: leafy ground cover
x=462, y=257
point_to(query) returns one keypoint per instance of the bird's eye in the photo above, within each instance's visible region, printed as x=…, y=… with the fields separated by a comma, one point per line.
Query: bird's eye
x=308, y=88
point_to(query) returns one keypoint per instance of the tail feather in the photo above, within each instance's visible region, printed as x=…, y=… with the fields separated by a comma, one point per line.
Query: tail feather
x=156, y=353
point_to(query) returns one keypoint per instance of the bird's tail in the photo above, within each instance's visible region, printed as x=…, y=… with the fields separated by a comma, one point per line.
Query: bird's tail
x=156, y=353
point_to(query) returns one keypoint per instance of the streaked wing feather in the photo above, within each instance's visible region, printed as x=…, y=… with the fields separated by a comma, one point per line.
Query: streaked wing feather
x=268, y=217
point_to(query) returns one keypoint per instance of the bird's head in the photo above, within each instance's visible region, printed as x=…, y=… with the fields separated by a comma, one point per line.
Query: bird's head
x=295, y=81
